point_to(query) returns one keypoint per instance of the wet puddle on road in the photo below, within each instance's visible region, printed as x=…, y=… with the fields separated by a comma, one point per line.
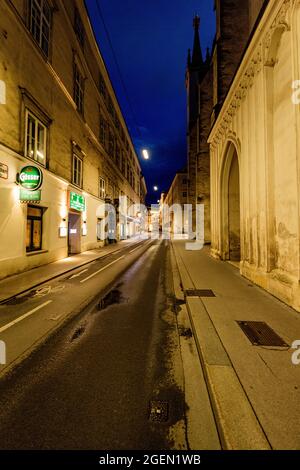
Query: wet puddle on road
x=113, y=297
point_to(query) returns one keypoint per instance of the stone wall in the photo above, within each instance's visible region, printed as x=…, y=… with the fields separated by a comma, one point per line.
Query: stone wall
x=260, y=123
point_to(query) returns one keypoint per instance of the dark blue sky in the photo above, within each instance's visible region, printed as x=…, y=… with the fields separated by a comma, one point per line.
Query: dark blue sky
x=150, y=39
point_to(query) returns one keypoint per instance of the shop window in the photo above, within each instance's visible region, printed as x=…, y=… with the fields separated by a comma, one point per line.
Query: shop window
x=100, y=229
x=40, y=23
x=77, y=167
x=34, y=231
x=36, y=138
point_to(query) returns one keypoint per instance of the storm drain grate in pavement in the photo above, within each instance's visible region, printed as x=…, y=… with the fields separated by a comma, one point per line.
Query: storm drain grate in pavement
x=199, y=293
x=260, y=334
x=159, y=411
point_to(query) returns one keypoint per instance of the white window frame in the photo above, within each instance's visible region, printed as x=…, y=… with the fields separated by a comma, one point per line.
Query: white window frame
x=101, y=188
x=77, y=175
x=43, y=20
x=38, y=122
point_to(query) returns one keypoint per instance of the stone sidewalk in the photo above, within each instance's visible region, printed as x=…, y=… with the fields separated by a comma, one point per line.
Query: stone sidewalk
x=18, y=283
x=254, y=390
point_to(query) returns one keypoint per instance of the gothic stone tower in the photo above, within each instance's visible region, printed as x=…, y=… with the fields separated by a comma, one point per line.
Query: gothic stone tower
x=199, y=100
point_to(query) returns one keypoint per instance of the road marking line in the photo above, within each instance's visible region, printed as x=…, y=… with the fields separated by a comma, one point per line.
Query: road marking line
x=78, y=274
x=140, y=246
x=5, y=327
x=102, y=269
x=56, y=318
x=131, y=251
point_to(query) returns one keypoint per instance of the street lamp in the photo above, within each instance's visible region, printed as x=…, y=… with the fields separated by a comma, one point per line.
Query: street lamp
x=145, y=154
x=155, y=188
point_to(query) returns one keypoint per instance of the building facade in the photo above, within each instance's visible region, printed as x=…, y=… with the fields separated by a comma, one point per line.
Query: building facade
x=174, y=201
x=60, y=119
x=254, y=152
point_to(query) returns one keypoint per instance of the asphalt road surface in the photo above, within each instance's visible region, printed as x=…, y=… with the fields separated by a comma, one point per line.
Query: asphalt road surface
x=91, y=384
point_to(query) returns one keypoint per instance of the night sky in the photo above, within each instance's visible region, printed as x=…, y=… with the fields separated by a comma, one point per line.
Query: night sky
x=150, y=39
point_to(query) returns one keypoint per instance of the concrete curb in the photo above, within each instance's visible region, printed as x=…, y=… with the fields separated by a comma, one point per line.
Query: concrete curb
x=201, y=427
x=238, y=426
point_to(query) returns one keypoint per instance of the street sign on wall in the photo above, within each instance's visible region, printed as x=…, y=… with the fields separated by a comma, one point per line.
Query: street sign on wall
x=3, y=171
x=30, y=196
x=77, y=201
x=31, y=177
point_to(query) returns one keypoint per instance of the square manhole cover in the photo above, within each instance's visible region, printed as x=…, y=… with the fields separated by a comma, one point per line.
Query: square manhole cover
x=199, y=293
x=260, y=334
x=159, y=411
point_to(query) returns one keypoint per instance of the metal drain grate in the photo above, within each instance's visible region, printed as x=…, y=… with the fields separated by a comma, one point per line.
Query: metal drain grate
x=199, y=293
x=260, y=334
x=159, y=411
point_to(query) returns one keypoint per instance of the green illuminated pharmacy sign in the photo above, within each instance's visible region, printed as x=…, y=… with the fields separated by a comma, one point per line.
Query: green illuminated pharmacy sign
x=77, y=202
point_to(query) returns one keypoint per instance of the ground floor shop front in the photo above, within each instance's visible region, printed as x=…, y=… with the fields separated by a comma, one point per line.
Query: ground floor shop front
x=39, y=226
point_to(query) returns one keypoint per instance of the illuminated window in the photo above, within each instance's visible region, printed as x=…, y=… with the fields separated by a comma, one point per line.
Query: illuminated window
x=2, y=92
x=36, y=134
x=34, y=228
x=78, y=89
x=77, y=170
x=101, y=188
x=40, y=23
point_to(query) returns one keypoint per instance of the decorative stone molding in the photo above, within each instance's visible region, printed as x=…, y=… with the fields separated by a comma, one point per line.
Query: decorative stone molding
x=281, y=22
x=259, y=56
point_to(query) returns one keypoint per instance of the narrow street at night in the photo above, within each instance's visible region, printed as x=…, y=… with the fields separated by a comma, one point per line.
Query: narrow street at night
x=91, y=385
x=149, y=233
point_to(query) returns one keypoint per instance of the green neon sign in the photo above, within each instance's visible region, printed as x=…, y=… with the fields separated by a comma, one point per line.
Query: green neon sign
x=29, y=196
x=77, y=202
x=31, y=178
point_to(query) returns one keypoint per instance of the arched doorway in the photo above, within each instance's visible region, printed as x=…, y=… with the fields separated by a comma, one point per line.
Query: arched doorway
x=234, y=236
x=230, y=206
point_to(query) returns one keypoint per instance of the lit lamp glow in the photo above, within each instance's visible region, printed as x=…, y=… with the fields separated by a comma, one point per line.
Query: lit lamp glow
x=145, y=154
x=155, y=188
